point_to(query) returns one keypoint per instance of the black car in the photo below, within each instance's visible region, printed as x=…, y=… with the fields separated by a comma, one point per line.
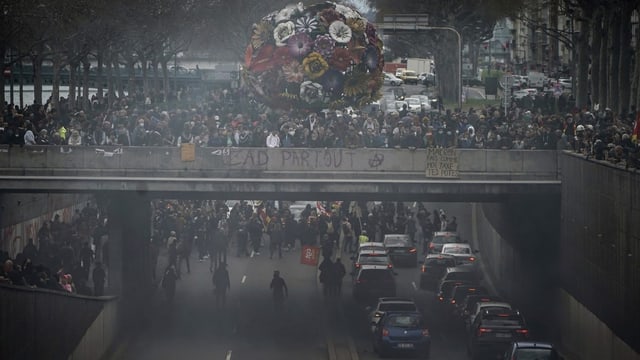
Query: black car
x=433, y=268
x=443, y=237
x=531, y=350
x=469, y=303
x=401, y=250
x=493, y=331
x=459, y=293
x=372, y=282
x=446, y=288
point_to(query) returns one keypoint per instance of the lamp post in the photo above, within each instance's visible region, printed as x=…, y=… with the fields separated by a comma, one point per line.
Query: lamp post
x=448, y=28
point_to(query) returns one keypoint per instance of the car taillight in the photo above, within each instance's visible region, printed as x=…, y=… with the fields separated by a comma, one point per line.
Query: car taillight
x=472, y=259
x=425, y=332
x=453, y=301
x=357, y=265
x=360, y=281
x=483, y=331
x=524, y=332
x=412, y=250
x=385, y=332
x=440, y=298
x=431, y=246
x=389, y=266
x=423, y=268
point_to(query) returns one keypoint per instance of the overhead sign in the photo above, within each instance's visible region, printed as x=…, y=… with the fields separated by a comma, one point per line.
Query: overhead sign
x=441, y=163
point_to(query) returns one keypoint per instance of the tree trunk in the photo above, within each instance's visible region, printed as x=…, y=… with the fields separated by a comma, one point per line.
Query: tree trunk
x=624, y=68
x=614, y=60
x=110, y=88
x=99, y=78
x=21, y=85
x=165, y=81
x=604, y=58
x=119, y=83
x=447, y=64
x=157, y=81
x=145, y=76
x=131, y=75
x=596, y=40
x=635, y=89
x=582, y=71
x=3, y=52
x=86, y=71
x=73, y=83
x=55, y=83
x=36, y=63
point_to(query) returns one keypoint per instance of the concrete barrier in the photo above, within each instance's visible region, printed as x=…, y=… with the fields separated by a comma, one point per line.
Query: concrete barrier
x=101, y=335
x=45, y=324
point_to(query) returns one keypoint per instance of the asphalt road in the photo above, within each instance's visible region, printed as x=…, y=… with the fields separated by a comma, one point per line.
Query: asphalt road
x=311, y=327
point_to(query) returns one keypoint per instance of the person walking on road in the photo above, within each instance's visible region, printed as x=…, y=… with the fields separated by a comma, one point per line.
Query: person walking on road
x=279, y=290
x=276, y=237
x=339, y=272
x=327, y=276
x=169, y=283
x=221, y=284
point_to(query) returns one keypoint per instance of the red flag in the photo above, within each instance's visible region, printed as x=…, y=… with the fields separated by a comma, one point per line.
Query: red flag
x=636, y=129
x=310, y=255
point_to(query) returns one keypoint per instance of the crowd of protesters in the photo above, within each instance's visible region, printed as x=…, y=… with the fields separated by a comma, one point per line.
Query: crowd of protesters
x=64, y=257
x=220, y=118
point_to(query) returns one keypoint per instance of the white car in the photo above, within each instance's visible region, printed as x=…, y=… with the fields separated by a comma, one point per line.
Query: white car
x=565, y=83
x=378, y=246
x=462, y=252
x=414, y=104
x=519, y=94
x=425, y=103
x=390, y=79
x=481, y=306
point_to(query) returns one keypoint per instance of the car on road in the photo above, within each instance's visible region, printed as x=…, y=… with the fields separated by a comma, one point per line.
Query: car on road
x=469, y=303
x=409, y=77
x=425, y=102
x=465, y=273
x=445, y=288
x=371, y=282
x=371, y=257
x=391, y=79
x=414, y=104
x=402, y=332
x=565, y=83
x=401, y=250
x=443, y=237
x=427, y=78
x=462, y=252
x=390, y=304
x=432, y=269
x=460, y=293
x=493, y=331
x=372, y=246
x=531, y=350
x=482, y=306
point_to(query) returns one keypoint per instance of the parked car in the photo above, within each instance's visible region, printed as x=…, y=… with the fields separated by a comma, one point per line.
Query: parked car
x=427, y=78
x=432, y=269
x=372, y=282
x=462, y=252
x=409, y=77
x=493, y=331
x=425, y=102
x=524, y=350
x=390, y=304
x=402, y=332
x=390, y=79
x=401, y=250
x=443, y=237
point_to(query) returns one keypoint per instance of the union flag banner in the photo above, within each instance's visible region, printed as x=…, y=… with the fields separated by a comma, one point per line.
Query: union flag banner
x=310, y=255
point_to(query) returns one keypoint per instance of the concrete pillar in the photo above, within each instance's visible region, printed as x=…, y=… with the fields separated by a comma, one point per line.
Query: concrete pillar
x=129, y=236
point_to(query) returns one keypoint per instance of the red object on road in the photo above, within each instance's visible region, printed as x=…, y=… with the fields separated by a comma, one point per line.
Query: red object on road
x=310, y=255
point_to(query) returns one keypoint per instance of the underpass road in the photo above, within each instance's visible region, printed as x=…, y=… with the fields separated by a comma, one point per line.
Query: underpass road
x=247, y=328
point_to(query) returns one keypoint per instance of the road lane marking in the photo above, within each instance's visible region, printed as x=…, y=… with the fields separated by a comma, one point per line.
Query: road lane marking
x=244, y=278
x=228, y=355
x=415, y=288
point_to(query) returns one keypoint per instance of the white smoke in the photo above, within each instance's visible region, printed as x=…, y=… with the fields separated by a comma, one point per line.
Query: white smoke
x=364, y=7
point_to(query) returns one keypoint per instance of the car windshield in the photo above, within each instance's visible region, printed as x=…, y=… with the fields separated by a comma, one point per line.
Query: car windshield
x=457, y=250
x=535, y=354
x=376, y=275
x=404, y=321
x=397, y=307
x=373, y=259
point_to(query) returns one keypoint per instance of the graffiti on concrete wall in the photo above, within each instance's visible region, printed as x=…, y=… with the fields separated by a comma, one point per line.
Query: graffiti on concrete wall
x=306, y=159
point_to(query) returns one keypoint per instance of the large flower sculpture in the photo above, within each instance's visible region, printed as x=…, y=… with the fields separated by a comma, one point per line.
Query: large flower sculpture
x=310, y=58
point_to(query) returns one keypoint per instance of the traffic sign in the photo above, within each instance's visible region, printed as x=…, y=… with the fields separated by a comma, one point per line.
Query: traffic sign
x=310, y=255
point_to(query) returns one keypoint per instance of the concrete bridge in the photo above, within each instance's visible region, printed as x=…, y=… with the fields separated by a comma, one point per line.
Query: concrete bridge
x=283, y=173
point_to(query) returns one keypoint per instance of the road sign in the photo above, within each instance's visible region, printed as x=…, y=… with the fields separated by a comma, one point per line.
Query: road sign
x=310, y=255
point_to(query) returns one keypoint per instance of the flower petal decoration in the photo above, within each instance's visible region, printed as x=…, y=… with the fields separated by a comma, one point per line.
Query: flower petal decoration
x=314, y=65
x=340, y=32
x=341, y=59
x=308, y=58
x=293, y=72
x=300, y=45
x=283, y=32
x=311, y=92
x=333, y=82
x=306, y=24
x=324, y=45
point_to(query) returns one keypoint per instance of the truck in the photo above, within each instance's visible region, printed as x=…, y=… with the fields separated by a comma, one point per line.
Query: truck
x=536, y=80
x=420, y=65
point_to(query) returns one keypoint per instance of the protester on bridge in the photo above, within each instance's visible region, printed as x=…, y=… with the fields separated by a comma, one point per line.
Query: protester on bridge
x=221, y=284
x=279, y=291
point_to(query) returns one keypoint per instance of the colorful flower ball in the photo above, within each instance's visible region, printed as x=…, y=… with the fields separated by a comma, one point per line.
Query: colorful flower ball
x=314, y=57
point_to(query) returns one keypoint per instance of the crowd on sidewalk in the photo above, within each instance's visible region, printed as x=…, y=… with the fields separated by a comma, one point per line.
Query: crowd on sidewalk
x=221, y=118
x=65, y=256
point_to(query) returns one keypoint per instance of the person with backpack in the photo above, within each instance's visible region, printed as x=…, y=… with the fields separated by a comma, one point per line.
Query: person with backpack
x=221, y=284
